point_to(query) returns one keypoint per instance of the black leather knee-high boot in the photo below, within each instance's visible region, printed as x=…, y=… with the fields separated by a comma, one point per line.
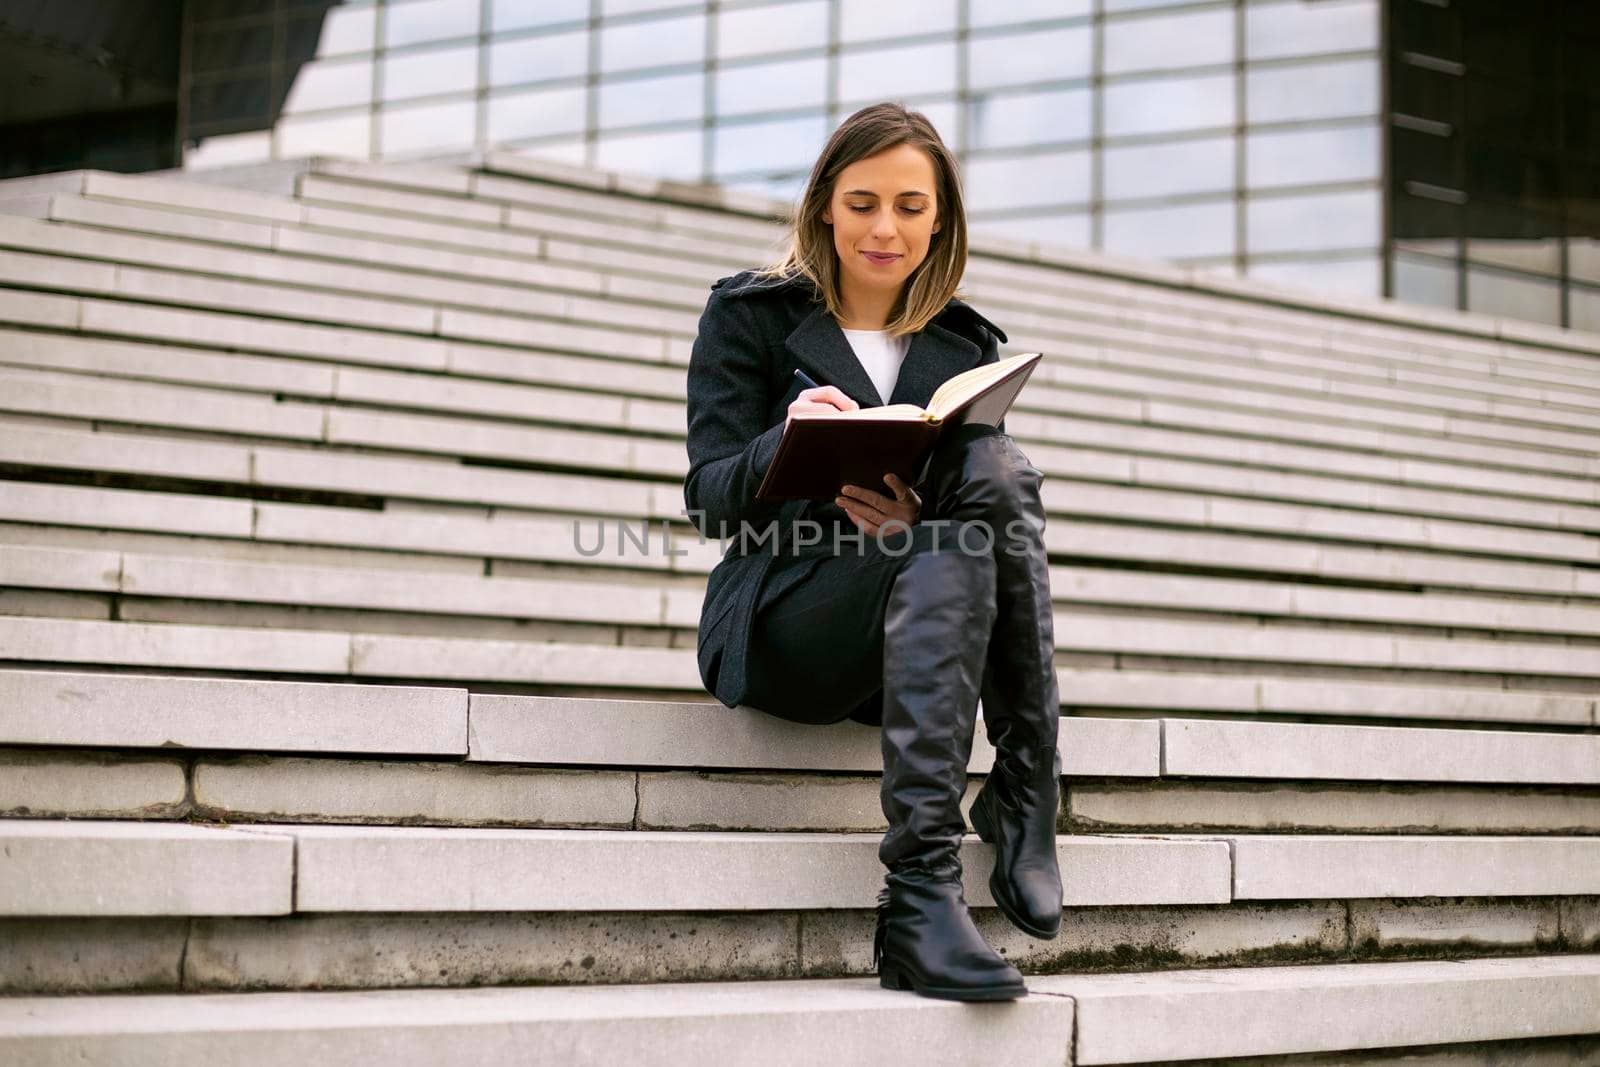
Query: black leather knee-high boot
x=936, y=624
x=1017, y=808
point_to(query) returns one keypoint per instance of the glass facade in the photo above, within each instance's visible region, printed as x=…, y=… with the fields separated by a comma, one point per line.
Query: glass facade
x=1245, y=136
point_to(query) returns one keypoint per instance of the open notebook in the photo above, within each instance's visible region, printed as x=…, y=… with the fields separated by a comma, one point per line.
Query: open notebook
x=821, y=452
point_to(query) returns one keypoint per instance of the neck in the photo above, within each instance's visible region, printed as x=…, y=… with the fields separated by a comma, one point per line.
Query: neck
x=865, y=310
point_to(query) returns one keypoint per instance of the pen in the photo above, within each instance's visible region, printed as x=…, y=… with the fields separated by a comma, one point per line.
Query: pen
x=805, y=379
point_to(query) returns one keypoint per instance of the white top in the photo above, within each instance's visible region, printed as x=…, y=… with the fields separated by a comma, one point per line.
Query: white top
x=881, y=356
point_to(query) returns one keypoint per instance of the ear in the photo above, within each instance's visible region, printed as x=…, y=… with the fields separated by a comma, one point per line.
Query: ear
x=827, y=215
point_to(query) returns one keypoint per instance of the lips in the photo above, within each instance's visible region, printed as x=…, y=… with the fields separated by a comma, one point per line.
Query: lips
x=881, y=257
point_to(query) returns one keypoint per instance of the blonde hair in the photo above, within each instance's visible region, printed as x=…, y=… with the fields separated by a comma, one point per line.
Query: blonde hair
x=811, y=252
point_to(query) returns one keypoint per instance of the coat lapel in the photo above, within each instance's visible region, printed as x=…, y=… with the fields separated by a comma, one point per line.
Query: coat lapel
x=823, y=351
x=936, y=354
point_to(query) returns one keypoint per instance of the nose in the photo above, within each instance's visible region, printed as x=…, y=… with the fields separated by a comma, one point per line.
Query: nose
x=883, y=225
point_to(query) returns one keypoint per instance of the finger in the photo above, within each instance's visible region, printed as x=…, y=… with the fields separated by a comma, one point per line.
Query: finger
x=867, y=496
x=830, y=395
x=902, y=492
x=854, y=505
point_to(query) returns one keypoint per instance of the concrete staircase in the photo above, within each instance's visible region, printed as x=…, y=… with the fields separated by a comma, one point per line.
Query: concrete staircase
x=325, y=733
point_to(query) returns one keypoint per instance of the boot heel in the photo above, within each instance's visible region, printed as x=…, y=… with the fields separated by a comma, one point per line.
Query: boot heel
x=890, y=977
x=982, y=821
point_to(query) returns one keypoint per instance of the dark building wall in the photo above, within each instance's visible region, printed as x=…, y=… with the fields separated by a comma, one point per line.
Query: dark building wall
x=1494, y=146
x=91, y=83
x=120, y=84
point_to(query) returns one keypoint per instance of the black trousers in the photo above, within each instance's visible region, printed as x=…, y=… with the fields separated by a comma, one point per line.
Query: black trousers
x=816, y=652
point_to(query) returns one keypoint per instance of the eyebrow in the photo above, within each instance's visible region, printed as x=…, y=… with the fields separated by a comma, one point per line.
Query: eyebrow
x=869, y=192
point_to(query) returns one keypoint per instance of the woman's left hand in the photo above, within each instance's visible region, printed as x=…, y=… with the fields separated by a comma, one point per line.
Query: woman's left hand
x=870, y=510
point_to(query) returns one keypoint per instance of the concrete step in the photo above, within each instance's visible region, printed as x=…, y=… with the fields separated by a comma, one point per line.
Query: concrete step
x=90, y=867
x=845, y=1022
x=644, y=601
x=1328, y=565
x=1439, y=488
x=132, y=711
x=95, y=867
x=92, y=782
x=1181, y=306
x=1455, y=379
x=131, y=868
x=1184, y=405
x=1083, y=1019
x=1281, y=1011
x=1185, y=299
x=217, y=714
x=29, y=234
x=1350, y=544
x=373, y=653
x=408, y=949
x=577, y=295
x=345, y=654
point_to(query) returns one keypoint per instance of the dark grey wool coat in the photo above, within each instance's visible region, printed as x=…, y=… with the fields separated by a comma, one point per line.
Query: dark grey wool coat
x=752, y=335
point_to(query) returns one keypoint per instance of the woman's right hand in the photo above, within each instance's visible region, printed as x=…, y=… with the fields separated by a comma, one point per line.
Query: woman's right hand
x=822, y=398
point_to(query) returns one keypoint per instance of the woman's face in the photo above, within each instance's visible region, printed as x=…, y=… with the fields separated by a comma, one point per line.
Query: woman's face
x=883, y=204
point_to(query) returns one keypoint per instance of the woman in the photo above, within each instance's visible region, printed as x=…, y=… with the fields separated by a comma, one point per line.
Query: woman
x=870, y=606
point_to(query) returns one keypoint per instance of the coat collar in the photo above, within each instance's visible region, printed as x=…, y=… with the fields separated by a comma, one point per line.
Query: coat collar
x=936, y=353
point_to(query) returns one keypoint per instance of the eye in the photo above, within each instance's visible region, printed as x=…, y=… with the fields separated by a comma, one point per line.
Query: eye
x=914, y=210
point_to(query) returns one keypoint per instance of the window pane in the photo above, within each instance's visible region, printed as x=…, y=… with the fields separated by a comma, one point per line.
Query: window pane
x=1291, y=157
x=428, y=20
x=1314, y=91
x=772, y=86
x=416, y=74
x=942, y=114
x=1332, y=220
x=1045, y=55
x=1583, y=304
x=1423, y=280
x=779, y=28
x=521, y=14
x=864, y=20
x=347, y=29
x=1497, y=293
x=1068, y=230
x=1002, y=121
x=324, y=85
x=1170, y=169
x=1297, y=28
x=535, y=113
x=668, y=155
x=1532, y=255
x=892, y=74
x=344, y=135
x=1170, y=232
x=1166, y=105
x=1348, y=277
x=1134, y=5
x=679, y=96
x=785, y=188
x=432, y=126
x=1012, y=11
x=1049, y=178
x=788, y=143
x=632, y=45
x=626, y=7
x=557, y=55
x=1164, y=42
x=1583, y=258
